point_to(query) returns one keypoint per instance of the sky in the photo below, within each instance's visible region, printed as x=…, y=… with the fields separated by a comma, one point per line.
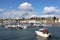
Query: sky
x=29, y=8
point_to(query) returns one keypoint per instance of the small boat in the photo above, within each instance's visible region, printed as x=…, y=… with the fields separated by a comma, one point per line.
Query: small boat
x=36, y=25
x=46, y=25
x=43, y=33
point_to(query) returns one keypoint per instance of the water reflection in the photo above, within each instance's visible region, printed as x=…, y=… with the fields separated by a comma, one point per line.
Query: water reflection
x=41, y=38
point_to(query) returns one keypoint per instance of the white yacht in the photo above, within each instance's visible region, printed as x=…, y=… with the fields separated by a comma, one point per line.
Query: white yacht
x=25, y=26
x=10, y=26
x=43, y=33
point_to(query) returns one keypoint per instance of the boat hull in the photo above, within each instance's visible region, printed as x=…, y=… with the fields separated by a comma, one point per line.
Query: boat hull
x=43, y=34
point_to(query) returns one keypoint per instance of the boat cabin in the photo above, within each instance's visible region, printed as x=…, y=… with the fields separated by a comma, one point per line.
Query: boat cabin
x=44, y=31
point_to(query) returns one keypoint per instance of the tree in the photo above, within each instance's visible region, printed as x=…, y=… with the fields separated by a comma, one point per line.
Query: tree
x=54, y=18
x=42, y=19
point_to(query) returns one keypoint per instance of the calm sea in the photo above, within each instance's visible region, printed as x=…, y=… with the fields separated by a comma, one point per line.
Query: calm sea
x=28, y=34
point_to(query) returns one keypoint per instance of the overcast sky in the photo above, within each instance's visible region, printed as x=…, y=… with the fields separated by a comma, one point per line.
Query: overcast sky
x=29, y=8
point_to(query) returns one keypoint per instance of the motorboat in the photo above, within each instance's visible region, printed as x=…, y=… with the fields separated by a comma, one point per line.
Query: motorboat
x=43, y=33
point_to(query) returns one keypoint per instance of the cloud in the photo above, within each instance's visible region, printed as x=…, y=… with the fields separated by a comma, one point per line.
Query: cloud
x=25, y=6
x=14, y=14
x=11, y=7
x=25, y=11
x=1, y=10
x=50, y=10
x=50, y=16
x=32, y=16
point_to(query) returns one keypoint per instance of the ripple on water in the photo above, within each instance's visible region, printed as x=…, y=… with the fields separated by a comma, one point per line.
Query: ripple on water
x=27, y=34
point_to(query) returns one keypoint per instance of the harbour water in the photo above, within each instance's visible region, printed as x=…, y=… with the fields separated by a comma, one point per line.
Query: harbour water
x=28, y=34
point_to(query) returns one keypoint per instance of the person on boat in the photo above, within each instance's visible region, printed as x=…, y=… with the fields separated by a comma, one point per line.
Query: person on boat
x=45, y=31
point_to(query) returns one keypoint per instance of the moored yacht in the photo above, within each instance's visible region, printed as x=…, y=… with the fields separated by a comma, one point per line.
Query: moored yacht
x=10, y=26
x=24, y=26
x=36, y=24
